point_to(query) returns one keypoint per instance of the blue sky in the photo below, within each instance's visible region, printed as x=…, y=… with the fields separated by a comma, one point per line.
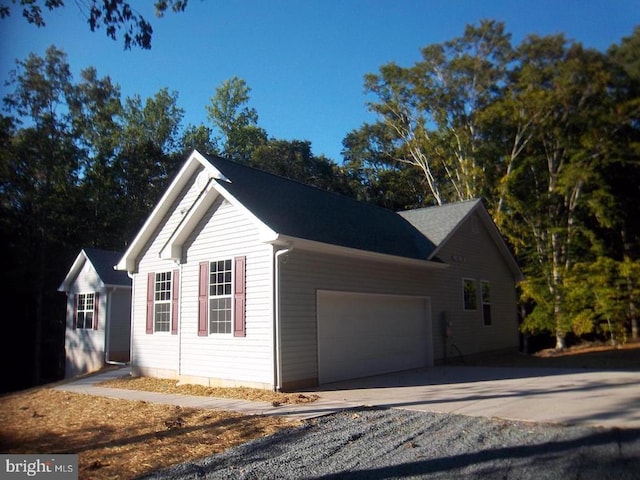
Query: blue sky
x=304, y=60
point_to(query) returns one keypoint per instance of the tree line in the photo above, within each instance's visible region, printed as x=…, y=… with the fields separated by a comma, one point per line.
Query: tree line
x=547, y=132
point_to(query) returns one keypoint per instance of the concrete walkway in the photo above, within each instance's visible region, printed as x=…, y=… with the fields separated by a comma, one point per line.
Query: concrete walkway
x=88, y=385
x=578, y=397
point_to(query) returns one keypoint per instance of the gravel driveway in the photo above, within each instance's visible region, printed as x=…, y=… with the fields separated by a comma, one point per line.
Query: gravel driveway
x=377, y=443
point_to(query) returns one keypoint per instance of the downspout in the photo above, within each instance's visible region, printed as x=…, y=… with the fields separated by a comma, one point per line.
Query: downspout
x=179, y=370
x=277, y=368
x=107, y=330
x=133, y=303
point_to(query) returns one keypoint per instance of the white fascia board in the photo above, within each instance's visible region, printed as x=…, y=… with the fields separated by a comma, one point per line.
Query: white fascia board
x=73, y=271
x=172, y=250
x=130, y=257
x=310, y=245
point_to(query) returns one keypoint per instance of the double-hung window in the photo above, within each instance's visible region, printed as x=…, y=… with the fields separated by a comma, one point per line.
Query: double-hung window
x=85, y=310
x=222, y=297
x=162, y=302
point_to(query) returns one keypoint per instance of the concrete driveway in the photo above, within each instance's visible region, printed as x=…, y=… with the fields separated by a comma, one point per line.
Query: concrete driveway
x=577, y=397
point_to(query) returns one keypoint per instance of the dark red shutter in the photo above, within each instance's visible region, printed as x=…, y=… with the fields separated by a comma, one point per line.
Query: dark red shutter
x=151, y=280
x=175, y=288
x=239, y=297
x=96, y=319
x=203, y=299
x=75, y=311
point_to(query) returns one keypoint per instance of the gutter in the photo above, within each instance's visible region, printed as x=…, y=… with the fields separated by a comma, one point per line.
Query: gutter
x=277, y=367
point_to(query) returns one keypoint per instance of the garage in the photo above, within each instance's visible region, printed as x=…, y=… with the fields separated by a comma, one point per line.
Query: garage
x=361, y=334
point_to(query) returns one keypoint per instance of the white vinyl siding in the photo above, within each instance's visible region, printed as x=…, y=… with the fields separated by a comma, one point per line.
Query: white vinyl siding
x=304, y=273
x=224, y=232
x=84, y=347
x=476, y=256
x=157, y=354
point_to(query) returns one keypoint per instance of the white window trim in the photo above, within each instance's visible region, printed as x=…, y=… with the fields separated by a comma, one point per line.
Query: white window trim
x=167, y=302
x=230, y=296
x=77, y=311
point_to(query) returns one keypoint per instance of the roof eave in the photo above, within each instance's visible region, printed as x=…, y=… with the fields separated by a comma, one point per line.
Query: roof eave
x=332, y=249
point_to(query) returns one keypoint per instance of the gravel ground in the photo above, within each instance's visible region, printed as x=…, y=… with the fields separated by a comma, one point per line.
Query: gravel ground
x=372, y=443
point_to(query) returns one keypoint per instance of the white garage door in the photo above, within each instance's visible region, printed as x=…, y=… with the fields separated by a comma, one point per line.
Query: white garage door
x=369, y=334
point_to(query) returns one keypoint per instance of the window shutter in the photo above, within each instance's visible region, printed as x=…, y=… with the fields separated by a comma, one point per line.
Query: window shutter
x=239, y=297
x=96, y=303
x=151, y=279
x=75, y=311
x=175, y=288
x=203, y=299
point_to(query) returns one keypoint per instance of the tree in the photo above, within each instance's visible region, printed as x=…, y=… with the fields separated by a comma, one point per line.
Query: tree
x=374, y=177
x=294, y=160
x=432, y=109
x=114, y=15
x=149, y=154
x=596, y=297
x=562, y=90
x=237, y=122
x=198, y=138
x=40, y=173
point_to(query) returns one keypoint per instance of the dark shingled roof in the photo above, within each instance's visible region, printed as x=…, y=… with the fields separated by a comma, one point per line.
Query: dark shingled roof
x=293, y=209
x=437, y=223
x=103, y=261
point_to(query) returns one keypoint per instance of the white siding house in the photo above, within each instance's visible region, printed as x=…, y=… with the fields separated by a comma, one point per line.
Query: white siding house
x=98, y=319
x=241, y=277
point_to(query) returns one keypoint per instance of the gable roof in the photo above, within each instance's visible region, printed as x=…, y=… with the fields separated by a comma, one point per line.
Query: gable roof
x=441, y=222
x=103, y=262
x=288, y=212
x=300, y=211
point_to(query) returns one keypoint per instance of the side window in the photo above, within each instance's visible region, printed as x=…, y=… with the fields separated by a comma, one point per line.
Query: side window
x=162, y=302
x=85, y=310
x=469, y=294
x=486, y=303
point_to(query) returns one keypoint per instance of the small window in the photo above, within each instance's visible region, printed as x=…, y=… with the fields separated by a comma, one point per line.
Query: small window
x=470, y=294
x=486, y=303
x=220, y=296
x=84, y=313
x=162, y=302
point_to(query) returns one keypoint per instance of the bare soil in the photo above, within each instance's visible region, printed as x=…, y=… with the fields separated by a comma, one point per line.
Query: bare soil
x=125, y=439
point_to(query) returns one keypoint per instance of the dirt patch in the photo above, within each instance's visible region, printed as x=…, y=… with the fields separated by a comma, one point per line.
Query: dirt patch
x=120, y=438
x=589, y=355
x=170, y=386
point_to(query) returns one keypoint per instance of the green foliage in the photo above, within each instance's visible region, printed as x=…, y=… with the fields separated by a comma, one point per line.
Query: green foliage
x=235, y=120
x=113, y=15
x=546, y=131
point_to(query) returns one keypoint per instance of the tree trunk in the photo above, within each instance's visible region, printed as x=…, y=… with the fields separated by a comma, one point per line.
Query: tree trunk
x=556, y=283
x=633, y=309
